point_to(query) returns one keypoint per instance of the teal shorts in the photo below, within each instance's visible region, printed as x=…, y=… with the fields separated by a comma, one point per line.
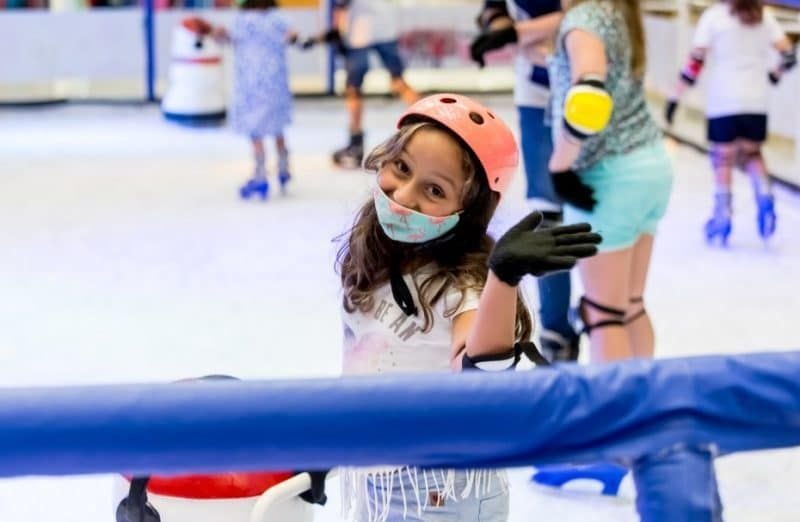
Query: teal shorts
x=632, y=191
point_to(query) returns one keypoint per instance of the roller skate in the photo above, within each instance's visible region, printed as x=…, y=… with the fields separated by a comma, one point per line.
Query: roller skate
x=283, y=178
x=350, y=157
x=766, y=215
x=608, y=476
x=719, y=224
x=255, y=186
x=283, y=171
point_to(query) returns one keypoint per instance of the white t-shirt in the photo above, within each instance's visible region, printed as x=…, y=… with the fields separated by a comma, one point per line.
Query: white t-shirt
x=369, y=22
x=386, y=340
x=737, y=60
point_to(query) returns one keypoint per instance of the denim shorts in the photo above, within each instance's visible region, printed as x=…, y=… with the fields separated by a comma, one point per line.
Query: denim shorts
x=411, y=494
x=357, y=62
x=632, y=192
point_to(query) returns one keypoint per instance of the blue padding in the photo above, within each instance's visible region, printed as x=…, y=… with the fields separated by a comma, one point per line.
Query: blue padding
x=565, y=413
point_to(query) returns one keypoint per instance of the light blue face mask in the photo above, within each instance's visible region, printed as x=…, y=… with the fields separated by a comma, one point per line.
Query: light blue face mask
x=409, y=226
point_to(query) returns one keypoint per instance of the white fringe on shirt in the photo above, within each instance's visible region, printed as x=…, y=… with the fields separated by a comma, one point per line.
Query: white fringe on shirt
x=360, y=489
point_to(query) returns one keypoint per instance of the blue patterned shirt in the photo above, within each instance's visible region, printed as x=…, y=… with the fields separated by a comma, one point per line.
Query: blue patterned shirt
x=631, y=125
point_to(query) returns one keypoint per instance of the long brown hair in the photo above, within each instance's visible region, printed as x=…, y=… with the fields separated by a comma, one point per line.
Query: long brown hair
x=367, y=256
x=632, y=13
x=749, y=12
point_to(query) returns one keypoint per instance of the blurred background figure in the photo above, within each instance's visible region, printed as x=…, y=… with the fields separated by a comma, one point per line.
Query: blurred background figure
x=531, y=26
x=359, y=27
x=262, y=101
x=737, y=37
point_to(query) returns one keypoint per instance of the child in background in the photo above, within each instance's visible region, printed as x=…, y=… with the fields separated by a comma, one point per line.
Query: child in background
x=418, y=296
x=737, y=36
x=610, y=168
x=262, y=101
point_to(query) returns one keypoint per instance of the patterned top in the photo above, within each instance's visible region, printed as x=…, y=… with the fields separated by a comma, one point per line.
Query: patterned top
x=631, y=125
x=386, y=340
x=262, y=101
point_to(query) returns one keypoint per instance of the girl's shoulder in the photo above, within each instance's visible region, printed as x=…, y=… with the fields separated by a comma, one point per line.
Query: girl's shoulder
x=594, y=16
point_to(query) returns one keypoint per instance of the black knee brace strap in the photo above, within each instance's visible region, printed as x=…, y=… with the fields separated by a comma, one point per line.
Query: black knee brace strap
x=640, y=313
x=506, y=360
x=618, y=320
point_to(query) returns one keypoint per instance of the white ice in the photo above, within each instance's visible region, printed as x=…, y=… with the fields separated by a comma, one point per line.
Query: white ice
x=126, y=255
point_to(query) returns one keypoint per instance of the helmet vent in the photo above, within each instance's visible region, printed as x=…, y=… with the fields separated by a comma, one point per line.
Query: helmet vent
x=477, y=118
x=447, y=100
x=490, y=115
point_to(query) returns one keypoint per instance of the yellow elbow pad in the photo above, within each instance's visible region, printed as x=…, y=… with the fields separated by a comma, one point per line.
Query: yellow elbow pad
x=587, y=109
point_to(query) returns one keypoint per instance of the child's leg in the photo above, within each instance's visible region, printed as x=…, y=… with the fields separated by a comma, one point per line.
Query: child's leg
x=259, y=157
x=283, y=155
x=257, y=185
x=723, y=159
x=606, y=283
x=751, y=161
x=283, y=160
x=637, y=321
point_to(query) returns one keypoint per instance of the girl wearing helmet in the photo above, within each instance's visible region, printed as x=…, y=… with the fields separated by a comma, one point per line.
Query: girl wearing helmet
x=417, y=294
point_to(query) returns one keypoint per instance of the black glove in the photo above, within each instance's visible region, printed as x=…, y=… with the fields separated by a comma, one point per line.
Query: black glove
x=334, y=37
x=774, y=78
x=490, y=41
x=308, y=43
x=316, y=494
x=669, y=111
x=572, y=190
x=526, y=250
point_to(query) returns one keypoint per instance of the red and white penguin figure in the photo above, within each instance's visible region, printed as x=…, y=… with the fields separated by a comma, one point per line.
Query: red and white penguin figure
x=196, y=93
x=225, y=497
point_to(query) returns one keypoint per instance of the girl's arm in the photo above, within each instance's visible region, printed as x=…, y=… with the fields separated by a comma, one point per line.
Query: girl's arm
x=788, y=58
x=539, y=29
x=489, y=329
x=587, y=58
x=689, y=73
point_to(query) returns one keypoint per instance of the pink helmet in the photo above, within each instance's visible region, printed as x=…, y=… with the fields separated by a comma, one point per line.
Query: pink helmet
x=488, y=136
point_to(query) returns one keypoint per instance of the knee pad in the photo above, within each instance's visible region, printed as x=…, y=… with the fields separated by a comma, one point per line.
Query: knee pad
x=746, y=155
x=721, y=157
x=587, y=108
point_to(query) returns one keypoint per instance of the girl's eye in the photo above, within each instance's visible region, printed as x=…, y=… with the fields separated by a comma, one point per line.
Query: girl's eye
x=436, y=192
x=401, y=166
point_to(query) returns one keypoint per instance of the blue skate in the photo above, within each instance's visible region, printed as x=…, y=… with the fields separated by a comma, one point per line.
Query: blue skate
x=766, y=215
x=608, y=475
x=719, y=225
x=255, y=186
x=283, y=178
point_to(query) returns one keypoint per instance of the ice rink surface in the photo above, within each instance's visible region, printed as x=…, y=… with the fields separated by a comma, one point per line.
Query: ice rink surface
x=128, y=256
